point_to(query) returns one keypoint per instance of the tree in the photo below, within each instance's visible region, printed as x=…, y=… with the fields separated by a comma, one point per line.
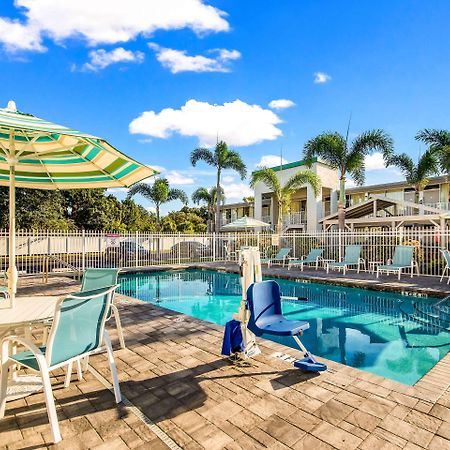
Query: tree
x=158, y=193
x=348, y=158
x=221, y=158
x=209, y=197
x=417, y=175
x=283, y=193
x=439, y=142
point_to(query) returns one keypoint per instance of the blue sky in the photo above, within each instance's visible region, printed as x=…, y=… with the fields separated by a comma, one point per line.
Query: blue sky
x=198, y=69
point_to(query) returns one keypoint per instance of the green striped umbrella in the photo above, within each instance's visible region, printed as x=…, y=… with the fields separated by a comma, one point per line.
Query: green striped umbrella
x=38, y=154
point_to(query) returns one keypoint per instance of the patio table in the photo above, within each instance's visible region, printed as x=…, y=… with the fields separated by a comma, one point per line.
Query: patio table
x=27, y=311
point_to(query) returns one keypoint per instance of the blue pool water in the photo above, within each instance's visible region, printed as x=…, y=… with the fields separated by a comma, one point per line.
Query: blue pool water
x=388, y=334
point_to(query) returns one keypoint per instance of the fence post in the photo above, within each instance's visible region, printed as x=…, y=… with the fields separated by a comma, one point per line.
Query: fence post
x=214, y=247
x=136, y=257
x=294, y=253
x=83, y=250
x=340, y=244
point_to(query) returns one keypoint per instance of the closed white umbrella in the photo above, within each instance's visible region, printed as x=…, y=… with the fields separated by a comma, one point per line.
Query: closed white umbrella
x=246, y=222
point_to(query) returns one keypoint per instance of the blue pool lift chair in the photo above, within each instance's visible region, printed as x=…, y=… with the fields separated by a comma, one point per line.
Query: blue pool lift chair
x=78, y=330
x=266, y=317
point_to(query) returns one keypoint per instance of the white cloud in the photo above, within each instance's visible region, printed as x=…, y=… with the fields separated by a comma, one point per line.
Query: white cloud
x=150, y=209
x=100, y=59
x=177, y=179
x=271, y=161
x=281, y=103
x=321, y=78
x=179, y=61
x=375, y=161
x=237, y=191
x=238, y=123
x=160, y=169
x=104, y=21
x=227, y=179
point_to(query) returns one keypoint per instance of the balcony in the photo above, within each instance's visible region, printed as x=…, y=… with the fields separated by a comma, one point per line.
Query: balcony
x=297, y=218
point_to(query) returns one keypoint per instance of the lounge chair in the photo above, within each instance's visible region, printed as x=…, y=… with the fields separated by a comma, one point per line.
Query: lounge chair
x=352, y=257
x=402, y=259
x=266, y=317
x=78, y=330
x=100, y=278
x=279, y=258
x=446, y=255
x=313, y=257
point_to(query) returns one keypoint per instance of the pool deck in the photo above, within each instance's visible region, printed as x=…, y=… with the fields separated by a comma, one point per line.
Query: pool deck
x=172, y=372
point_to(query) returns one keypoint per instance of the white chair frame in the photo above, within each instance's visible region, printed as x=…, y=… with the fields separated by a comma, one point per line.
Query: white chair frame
x=446, y=268
x=44, y=362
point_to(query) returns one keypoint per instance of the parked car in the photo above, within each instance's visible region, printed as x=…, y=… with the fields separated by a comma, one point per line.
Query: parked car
x=126, y=251
x=190, y=249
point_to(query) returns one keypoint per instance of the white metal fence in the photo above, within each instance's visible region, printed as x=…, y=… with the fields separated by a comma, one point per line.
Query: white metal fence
x=41, y=252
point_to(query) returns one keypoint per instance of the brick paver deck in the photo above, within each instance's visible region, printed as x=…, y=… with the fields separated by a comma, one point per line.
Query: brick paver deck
x=172, y=371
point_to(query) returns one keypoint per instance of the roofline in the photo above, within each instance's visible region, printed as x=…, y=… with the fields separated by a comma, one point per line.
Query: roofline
x=404, y=183
x=239, y=204
x=293, y=164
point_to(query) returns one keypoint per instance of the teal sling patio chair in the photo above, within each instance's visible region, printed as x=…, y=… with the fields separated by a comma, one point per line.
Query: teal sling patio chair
x=313, y=257
x=78, y=330
x=352, y=258
x=99, y=278
x=279, y=258
x=402, y=260
x=446, y=255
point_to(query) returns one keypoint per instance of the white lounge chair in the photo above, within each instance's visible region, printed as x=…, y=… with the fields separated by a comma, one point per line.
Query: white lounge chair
x=352, y=257
x=313, y=257
x=279, y=258
x=402, y=260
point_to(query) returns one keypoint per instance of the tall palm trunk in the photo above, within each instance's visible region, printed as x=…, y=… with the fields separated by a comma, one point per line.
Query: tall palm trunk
x=280, y=218
x=217, y=222
x=341, y=204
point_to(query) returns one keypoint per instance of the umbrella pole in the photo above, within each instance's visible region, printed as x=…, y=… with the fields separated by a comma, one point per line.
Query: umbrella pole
x=12, y=269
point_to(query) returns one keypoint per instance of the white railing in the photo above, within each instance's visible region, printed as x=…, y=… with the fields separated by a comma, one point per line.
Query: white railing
x=266, y=219
x=296, y=218
x=42, y=252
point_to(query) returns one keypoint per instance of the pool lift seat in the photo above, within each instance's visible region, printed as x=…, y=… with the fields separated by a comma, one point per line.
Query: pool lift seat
x=266, y=318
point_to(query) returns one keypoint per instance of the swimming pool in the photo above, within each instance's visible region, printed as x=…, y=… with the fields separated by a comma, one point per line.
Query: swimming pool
x=388, y=334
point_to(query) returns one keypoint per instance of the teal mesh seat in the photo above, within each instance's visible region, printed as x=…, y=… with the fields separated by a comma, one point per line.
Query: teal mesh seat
x=402, y=259
x=446, y=255
x=279, y=258
x=313, y=257
x=78, y=330
x=352, y=257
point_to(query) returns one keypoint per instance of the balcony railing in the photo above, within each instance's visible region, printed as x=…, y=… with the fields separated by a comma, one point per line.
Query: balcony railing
x=296, y=218
x=266, y=219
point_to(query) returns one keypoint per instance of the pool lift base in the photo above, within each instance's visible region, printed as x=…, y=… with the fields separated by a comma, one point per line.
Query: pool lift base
x=308, y=363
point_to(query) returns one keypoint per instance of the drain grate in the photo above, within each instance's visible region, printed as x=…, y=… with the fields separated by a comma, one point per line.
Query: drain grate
x=138, y=413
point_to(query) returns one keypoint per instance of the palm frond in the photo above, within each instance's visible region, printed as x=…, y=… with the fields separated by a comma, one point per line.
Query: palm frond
x=300, y=179
x=406, y=165
x=143, y=189
x=372, y=141
x=330, y=147
x=202, y=154
x=434, y=137
x=268, y=177
x=201, y=194
x=427, y=166
x=177, y=194
x=234, y=161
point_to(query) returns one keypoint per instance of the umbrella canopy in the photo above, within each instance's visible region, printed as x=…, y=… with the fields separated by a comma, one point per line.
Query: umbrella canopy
x=246, y=222
x=35, y=153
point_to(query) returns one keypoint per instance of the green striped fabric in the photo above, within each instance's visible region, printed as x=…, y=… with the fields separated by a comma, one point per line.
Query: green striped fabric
x=51, y=156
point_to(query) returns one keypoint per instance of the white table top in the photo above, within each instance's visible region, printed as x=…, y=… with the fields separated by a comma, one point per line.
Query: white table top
x=28, y=310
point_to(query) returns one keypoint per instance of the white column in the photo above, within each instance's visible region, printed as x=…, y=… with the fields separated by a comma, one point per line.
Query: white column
x=333, y=201
x=314, y=210
x=257, y=211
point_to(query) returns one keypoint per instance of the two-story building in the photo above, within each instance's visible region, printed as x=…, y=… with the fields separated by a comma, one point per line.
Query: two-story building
x=387, y=205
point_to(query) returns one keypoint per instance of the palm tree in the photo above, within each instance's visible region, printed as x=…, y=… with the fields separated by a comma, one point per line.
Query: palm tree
x=158, y=193
x=417, y=175
x=438, y=141
x=209, y=197
x=221, y=158
x=283, y=193
x=348, y=158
